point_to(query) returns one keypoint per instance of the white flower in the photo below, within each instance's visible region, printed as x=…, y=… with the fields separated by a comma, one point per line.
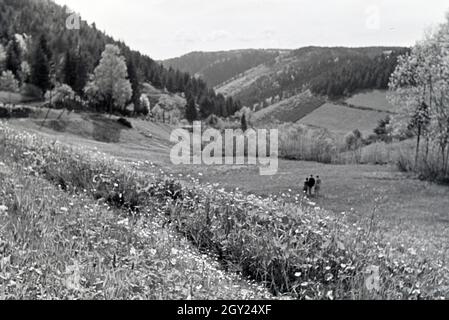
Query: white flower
x=3, y=209
x=372, y=282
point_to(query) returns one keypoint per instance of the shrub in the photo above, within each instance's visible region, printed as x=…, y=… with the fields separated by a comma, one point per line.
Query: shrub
x=8, y=82
x=60, y=94
x=124, y=122
x=4, y=112
x=16, y=112
x=145, y=105
x=299, y=142
x=31, y=91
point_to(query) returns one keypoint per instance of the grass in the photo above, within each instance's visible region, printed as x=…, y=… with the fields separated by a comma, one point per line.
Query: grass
x=292, y=109
x=14, y=98
x=243, y=81
x=285, y=244
x=374, y=99
x=340, y=119
x=56, y=244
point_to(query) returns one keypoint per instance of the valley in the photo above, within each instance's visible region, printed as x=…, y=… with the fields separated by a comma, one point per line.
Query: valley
x=94, y=207
x=400, y=201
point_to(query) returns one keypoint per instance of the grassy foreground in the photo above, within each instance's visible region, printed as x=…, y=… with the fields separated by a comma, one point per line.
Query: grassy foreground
x=291, y=248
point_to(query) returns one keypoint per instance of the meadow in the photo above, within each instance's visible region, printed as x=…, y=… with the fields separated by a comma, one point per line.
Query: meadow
x=290, y=245
x=340, y=119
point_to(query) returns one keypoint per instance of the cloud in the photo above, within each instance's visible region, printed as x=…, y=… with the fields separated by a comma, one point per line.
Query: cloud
x=217, y=35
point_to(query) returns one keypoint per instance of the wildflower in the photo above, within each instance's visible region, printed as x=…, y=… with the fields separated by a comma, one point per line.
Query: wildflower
x=3, y=209
x=372, y=282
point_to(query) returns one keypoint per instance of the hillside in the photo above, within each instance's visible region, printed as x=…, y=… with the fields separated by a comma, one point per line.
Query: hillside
x=332, y=72
x=289, y=110
x=341, y=119
x=73, y=54
x=97, y=223
x=219, y=67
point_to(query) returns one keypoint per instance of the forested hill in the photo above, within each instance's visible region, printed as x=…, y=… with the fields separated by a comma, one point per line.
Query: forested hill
x=30, y=20
x=221, y=66
x=332, y=72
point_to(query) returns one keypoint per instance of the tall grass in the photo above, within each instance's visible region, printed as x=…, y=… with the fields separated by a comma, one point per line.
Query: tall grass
x=299, y=142
x=292, y=248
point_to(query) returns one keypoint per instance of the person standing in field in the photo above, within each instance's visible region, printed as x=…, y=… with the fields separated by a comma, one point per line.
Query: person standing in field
x=311, y=184
x=318, y=186
x=306, y=186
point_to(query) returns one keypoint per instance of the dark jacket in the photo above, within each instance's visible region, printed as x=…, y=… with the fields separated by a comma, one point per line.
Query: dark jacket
x=311, y=182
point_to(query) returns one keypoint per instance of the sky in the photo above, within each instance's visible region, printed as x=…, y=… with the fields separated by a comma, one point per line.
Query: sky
x=169, y=28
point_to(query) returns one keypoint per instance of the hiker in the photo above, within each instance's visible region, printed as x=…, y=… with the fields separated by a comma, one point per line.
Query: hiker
x=306, y=186
x=311, y=184
x=318, y=186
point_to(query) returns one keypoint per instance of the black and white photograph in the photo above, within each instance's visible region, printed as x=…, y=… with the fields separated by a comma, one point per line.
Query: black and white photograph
x=252, y=152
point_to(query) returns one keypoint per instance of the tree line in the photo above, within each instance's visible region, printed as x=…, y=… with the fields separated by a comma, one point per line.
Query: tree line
x=331, y=72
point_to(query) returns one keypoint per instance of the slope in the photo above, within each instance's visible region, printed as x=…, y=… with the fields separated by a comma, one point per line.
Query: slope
x=220, y=67
x=332, y=72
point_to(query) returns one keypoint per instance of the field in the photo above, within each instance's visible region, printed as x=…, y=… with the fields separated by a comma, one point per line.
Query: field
x=14, y=98
x=405, y=220
x=289, y=110
x=375, y=99
x=346, y=186
x=341, y=120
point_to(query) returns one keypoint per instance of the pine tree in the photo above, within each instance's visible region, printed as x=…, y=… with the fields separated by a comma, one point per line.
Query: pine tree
x=40, y=66
x=135, y=84
x=82, y=72
x=191, y=112
x=70, y=70
x=206, y=107
x=244, y=123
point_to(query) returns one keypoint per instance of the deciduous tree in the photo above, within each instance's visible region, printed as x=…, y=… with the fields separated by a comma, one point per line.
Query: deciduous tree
x=110, y=80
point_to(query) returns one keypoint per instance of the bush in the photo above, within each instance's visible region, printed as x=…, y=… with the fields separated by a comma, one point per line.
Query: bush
x=8, y=82
x=31, y=91
x=60, y=94
x=124, y=122
x=299, y=142
x=4, y=112
x=16, y=112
